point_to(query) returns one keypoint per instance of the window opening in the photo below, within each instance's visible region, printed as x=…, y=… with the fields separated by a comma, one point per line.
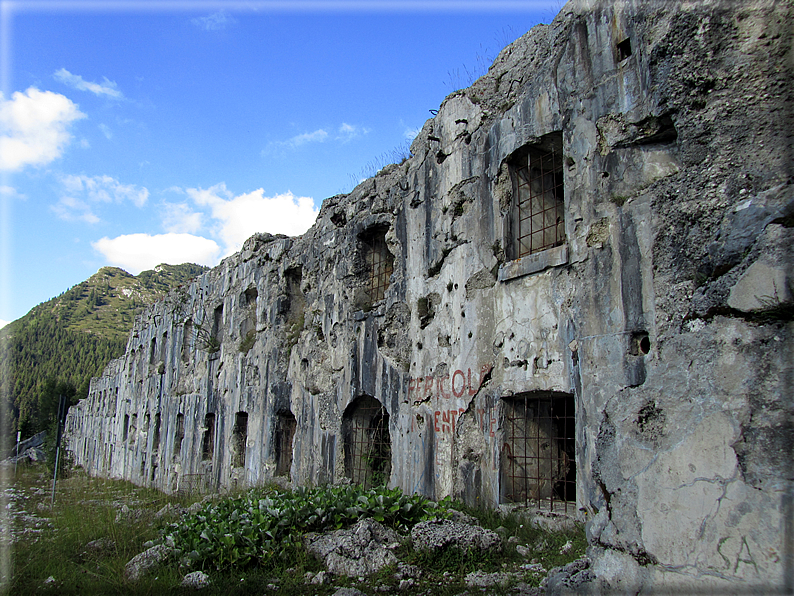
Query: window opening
x=153, y=350
x=539, y=206
x=538, y=465
x=208, y=440
x=365, y=428
x=379, y=263
x=624, y=49
x=239, y=437
x=187, y=334
x=285, y=432
x=164, y=347
x=126, y=427
x=296, y=301
x=640, y=343
x=217, y=321
x=156, y=439
x=133, y=428
x=248, y=301
x=179, y=435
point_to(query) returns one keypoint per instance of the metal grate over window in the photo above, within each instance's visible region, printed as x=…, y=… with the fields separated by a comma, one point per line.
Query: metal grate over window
x=538, y=455
x=284, y=434
x=380, y=264
x=539, y=211
x=365, y=427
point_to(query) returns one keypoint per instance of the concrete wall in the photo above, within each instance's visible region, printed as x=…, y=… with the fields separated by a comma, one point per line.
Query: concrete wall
x=664, y=319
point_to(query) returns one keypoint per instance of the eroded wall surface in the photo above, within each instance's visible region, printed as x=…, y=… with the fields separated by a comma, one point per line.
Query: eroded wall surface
x=636, y=373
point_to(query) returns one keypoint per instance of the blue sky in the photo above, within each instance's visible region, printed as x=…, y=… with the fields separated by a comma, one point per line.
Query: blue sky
x=134, y=133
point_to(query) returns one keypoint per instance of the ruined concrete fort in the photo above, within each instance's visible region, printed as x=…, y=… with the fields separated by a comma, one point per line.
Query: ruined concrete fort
x=575, y=297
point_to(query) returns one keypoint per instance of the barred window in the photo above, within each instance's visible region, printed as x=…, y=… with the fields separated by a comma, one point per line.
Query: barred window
x=284, y=434
x=538, y=454
x=365, y=430
x=538, y=211
x=379, y=263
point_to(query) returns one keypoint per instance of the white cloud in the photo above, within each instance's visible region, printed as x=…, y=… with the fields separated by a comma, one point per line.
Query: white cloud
x=344, y=133
x=71, y=209
x=105, y=189
x=242, y=216
x=34, y=127
x=3, y=323
x=215, y=21
x=348, y=132
x=410, y=133
x=106, y=87
x=106, y=131
x=137, y=252
x=318, y=136
x=11, y=193
x=180, y=219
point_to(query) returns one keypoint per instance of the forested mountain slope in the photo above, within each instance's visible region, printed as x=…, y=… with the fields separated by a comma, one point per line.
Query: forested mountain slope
x=60, y=344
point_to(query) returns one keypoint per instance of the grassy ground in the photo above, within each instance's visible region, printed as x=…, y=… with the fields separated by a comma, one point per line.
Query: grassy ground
x=51, y=541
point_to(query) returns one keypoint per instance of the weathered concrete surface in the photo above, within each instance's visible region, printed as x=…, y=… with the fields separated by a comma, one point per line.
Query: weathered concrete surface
x=364, y=549
x=438, y=534
x=663, y=319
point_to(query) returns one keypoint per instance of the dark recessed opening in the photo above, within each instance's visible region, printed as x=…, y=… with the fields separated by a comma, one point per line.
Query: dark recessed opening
x=538, y=458
x=367, y=442
x=208, y=440
x=284, y=434
x=624, y=49
x=239, y=439
x=640, y=344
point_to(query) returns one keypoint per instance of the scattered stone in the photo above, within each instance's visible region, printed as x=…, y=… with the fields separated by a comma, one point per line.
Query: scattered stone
x=319, y=579
x=196, y=580
x=195, y=508
x=127, y=515
x=569, y=579
x=524, y=551
x=100, y=545
x=170, y=510
x=406, y=571
x=481, y=579
x=435, y=534
x=348, y=592
x=566, y=548
x=361, y=550
x=50, y=582
x=406, y=584
x=464, y=518
x=148, y=560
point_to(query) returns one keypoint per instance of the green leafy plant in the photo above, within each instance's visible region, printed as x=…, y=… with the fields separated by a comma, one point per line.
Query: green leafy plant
x=265, y=523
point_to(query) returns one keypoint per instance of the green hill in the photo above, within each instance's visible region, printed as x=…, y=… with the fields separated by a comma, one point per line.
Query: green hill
x=60, y=344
